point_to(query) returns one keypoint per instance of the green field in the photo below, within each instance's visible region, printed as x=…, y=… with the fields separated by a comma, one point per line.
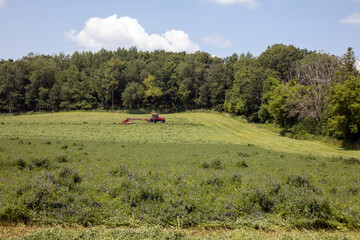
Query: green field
x=199, y=170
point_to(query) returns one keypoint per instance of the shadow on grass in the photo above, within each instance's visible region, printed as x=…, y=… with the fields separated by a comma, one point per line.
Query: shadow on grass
x=351, y=146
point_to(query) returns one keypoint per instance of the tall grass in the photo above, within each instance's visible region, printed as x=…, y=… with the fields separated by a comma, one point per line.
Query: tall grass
x=156, y=175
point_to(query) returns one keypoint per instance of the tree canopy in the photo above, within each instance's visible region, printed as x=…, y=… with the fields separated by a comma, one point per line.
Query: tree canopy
x=290, y=86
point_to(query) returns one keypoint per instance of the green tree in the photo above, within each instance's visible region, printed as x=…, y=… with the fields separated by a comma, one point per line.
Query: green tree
x=152, y=91
x=246, y=93
x=13, y=79
x=344, y=121
x=347, y=67
x=281, y=58
x=269, y=87
x=113, y=78
x=42, y=75
x=277, y=107
x=133, y=94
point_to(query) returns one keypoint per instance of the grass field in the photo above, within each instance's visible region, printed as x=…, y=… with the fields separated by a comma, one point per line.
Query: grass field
x=199, y=170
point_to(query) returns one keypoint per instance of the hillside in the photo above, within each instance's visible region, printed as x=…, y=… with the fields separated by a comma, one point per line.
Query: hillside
x=189, y=127
x=199, y=171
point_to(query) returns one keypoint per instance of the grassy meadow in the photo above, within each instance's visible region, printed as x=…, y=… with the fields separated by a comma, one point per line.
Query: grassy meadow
x=199, y=170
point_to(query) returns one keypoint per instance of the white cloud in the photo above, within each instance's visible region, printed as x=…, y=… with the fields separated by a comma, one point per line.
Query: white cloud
x=114, y=32
x=249, y=3
x=357, y=65
x=353, y=18
x=2, y=2
x=218, y=41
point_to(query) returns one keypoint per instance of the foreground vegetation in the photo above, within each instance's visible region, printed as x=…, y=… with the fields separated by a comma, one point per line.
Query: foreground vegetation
x=200, y=170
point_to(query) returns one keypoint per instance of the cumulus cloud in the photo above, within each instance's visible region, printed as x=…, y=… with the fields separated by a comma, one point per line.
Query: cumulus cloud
x=218, y=41
x=353, y=18
x=357, y=65
x=114, y=32
x=249, y=3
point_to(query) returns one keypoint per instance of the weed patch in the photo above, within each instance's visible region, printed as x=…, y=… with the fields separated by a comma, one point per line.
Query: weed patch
x=21, y=163
x=351, y=161
x=242, y=164
x=62, y=159
x=40, y=163
x=119, y=171
x=215, y=164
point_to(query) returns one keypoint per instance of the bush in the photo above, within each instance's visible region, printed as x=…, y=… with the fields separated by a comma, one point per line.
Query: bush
x=307, y=126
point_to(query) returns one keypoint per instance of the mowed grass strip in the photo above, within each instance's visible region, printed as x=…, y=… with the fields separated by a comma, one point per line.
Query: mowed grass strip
x=189, y=127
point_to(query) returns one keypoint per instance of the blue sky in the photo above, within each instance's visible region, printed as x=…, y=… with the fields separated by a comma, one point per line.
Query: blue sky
x=220, y=27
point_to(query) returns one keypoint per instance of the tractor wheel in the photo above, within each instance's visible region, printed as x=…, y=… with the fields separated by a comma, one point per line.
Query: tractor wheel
x=163, y=121
x=151, y=120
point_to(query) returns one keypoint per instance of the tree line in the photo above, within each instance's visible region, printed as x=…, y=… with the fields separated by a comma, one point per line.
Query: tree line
x=300, y=90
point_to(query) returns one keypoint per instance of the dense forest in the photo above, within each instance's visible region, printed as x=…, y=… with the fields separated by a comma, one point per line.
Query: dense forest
x=302, y=91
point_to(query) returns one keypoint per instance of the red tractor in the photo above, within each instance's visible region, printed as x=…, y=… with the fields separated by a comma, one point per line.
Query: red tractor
x=154, y=118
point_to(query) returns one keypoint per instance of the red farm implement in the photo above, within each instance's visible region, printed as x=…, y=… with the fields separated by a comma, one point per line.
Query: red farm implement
x=154, y=119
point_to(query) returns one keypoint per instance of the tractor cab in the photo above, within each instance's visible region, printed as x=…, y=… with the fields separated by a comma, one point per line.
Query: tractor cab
x=155, y=115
